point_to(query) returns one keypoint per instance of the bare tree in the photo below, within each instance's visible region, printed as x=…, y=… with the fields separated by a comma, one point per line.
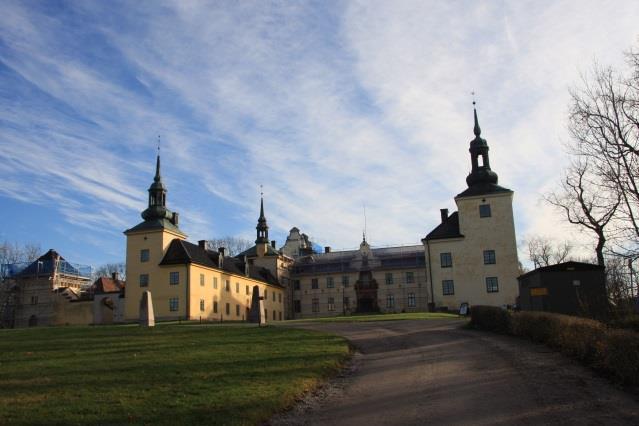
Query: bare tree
x=586, y=203
x=108, y=269
x=543, y=251
x=233, y=245
x=16, y=253
x=604, y=124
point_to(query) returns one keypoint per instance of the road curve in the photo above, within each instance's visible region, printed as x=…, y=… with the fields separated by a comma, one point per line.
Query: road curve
x=434, y=372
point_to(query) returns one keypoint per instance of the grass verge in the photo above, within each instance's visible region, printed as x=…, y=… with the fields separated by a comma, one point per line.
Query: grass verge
x=171, y=374
x=378, y=317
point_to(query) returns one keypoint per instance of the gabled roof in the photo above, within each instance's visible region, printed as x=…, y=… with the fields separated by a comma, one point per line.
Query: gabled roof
x=108, y=285
x=482, y=189
x=566, y=266
x=181, y=252
x=447, y=229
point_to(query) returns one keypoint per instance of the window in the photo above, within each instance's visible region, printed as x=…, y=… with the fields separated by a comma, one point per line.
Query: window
x=227, y=285
x=448, y=287
x=215, y=306
x=491, y=285
x=174, y=304
x=446, y=260
x=202, y=280
x=273, y=296
x=329, y=282
x=345, y=281
x=237, y=310
x=228, y=309
x=144, y=280
x=389, y=278
x=237, y=287
x=296, y=284
x=484, y=210
x=34, y=300
x=390, y=301
x=297, y=306
x=346, y=302
x=489, y=257
x=201, y=305
x=248, y=290
x=410, y=277
x=144, y=255
x=215, y=283
x=280, y=315
x=174, y=278
x=274, y=315
x=314, y=284
x=279, y=297
x=265, y=294
x=315, y=305
x=331, y=304
x=411, y=300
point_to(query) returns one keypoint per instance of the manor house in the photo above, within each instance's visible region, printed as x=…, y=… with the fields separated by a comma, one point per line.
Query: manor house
x=470, y=257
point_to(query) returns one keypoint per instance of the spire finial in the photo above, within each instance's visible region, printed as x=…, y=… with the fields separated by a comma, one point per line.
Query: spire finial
x=364, y=233
x=157, y=164
x=476, y=129
x=159, y=144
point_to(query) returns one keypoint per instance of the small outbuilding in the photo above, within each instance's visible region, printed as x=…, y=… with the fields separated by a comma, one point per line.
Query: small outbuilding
x=571, y=288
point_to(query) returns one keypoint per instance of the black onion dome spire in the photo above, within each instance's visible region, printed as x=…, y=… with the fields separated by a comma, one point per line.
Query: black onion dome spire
x=262, y=227
x=480, y=174
x=157, y=197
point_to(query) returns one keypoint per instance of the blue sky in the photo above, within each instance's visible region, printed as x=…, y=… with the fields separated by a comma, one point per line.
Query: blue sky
x=330, y=105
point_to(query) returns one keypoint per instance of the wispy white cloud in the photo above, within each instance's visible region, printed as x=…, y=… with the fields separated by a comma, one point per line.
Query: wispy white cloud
x=329, y=106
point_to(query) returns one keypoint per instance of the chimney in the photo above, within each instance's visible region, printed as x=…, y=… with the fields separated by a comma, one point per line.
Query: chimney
x=273, y=243
x=327, y=249
x=115, y=276
x=202, y=244
x=444, y=213
x=246, y=266
x=176, y=218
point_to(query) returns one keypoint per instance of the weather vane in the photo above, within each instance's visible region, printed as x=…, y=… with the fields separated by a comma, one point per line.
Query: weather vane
x=158, y=144
x=473, y=93
x=261, y=191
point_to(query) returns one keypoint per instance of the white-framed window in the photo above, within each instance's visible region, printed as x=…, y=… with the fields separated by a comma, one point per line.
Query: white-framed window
x=410, y=277
x=214, y=283
x=202, y=280
x=329, y=282
x=390, y=301
x=492, y=286
x=484, y=210
x=144, y=280
x=448, y=287
x=144, y=255
x=412, y=302
x=489, y=257
x=174, y=278
x=331, y=304
x=174, y=304
x=227, y=285
x=215, y=306
x=314, y=283
x=388, y=278
x=315, y=305
x=446, y=260
x=201, y=305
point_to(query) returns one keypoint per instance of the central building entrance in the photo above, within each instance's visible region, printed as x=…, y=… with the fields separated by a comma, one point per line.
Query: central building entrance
x=366, y=290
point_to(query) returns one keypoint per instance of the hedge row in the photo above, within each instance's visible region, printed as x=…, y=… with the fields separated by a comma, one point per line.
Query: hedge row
x=612, y=350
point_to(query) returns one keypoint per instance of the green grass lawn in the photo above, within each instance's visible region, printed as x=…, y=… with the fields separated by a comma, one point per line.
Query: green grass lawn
x=378, y=317
x=171, y=374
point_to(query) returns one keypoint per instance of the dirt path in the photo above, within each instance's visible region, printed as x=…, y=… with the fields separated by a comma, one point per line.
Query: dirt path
x=433, y=372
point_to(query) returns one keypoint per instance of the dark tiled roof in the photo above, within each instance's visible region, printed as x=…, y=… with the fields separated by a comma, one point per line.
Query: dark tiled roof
x=45, y=264
x=107, y=285
x=182, y=252
x=447, y=229
x=147, y=225
x=566, y=266
x=483, y=189
x=252, y=252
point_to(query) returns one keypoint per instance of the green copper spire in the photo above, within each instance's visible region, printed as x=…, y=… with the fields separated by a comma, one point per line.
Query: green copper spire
x=480, y=173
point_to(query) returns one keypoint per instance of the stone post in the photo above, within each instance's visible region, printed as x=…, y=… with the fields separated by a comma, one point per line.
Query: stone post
x=147, y=318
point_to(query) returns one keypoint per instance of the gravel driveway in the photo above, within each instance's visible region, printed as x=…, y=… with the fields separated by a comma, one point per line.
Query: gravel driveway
x=433, y=372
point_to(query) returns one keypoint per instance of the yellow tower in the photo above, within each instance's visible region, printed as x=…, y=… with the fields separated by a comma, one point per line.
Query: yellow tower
x=146, y=245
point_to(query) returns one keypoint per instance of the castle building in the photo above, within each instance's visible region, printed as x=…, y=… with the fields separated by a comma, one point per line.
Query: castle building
x=471, y=256
x=186, y=280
